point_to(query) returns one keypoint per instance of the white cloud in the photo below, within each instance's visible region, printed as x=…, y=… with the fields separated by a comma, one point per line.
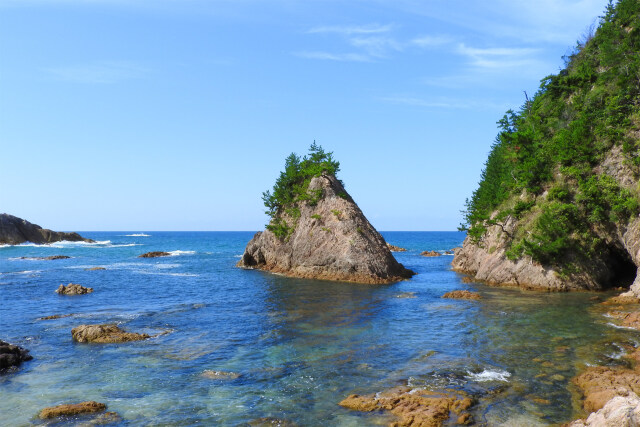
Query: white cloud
x=449, y=103
x=351, y=30
x=431, y=41
x=102, y=72
x=498, y=57
x=343, y=57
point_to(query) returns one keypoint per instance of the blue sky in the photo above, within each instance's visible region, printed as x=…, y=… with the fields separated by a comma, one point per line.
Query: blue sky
x=178, y=114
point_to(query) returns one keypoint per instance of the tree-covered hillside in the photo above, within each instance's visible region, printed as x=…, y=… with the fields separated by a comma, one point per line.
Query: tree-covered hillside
x=545, y=169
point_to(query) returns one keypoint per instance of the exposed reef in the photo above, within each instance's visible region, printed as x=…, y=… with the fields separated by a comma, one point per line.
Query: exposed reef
x=154, y=254
x=14, y=230
x=73, y=289
x=12, y=356
x=104, y=334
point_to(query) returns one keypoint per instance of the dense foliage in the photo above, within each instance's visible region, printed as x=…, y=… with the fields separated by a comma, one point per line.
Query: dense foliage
x=543, y=168
x=292, y=188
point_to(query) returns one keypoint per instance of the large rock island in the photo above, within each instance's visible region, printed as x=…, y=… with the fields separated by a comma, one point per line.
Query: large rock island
x=14, y=230
x=317, y=230
x=557, y=206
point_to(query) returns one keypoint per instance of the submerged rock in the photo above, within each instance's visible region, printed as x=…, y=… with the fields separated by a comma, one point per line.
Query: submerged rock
x=14, y=230
x=220, y=375
x=109, y=333
x=73, y=289
x=622, y=299
x=394, y=248
x=55, y=316
x=270, y=421
x=46, y=258
x=430, y=253
x=94, y=269
x=462, y=295
x=330, y=240
x=620, y=411
x=12, y=356
x=414, y=407
x=66, y=410
x=629, y=320
x=154, y=254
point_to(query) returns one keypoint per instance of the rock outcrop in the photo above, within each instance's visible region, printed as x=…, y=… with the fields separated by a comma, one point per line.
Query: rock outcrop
x=154, y=254
x=67, y=410
x=462, y=295
x=12, y=356
x=104, y=334
x=414, y=407
x=332, y=240
x=45, y=258
x=73, y=289
x=599, y=384
x=14, y=230
x=394, y=248
x=621, y=411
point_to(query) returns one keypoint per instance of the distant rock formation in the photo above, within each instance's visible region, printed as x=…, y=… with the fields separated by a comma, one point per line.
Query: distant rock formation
x=12, y=355
x=332, y=240
x=154, y=254
x=104, y=334
x=430, y=253
x=73, y=289
x=394, y=248
x=14, y=231
x=46, y=258
x=462, y=295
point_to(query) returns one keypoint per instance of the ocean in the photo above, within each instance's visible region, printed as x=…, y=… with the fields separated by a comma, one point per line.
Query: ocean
x=296, y=347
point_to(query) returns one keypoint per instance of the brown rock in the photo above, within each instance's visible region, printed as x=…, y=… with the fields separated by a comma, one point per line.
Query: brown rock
x=220, y=375
x=430, y=253
x=629, y=320
x=95, y=268
x=73, y=289
x=622, y=300
x=394, y=248
x=462, y=295
x=342, y=247
x=416, y=407
x=104, y=334
x=12, y=356
x=600, y=384
x=89, y=407
x=154, y=254
x=55, y=316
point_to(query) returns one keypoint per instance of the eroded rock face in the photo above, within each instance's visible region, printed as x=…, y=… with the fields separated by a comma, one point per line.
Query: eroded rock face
x=332, y=241
x=620, y=411
x=414, y=407
x=599, y=384
x=394, y=248
x=462, y=295
x=12, y=356
x=14, y=230
x=104, y=334
x=73, y=289
x=154, y=254
x=89, y=407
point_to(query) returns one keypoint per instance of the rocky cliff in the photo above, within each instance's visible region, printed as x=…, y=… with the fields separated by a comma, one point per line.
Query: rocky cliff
x=330, y=240
x=14, y=231
x=558, y=204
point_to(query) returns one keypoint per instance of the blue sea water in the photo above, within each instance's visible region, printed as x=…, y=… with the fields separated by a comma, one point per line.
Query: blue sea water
x=298, y=346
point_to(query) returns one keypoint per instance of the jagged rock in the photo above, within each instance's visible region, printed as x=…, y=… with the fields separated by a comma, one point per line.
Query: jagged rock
x=430, y=253
x=154, y=254
x=414, y=407
x=620, y=411
x=95, y=269
x=73, y=289
x=46, y=258
x=89, y=407
x=332, y=240
x=12, y=355
x=462, y=295
x=599, y=384
x=14, y=230
x=220, y=375
x=394, y=248
x=104, y=334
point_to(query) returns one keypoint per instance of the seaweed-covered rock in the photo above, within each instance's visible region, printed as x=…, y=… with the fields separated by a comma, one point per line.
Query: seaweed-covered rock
x=73, y=289
x=104, y=334
x=462, y=295
x=66, y=410
x=12, y=355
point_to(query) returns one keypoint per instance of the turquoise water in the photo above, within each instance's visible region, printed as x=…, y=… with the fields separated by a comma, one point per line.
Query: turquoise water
x=299, y=346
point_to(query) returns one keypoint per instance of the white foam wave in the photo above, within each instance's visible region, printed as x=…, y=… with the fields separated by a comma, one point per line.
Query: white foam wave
x=489, y=375
x=138, y=235
x=237, y=256
x=157, y=273
x=126, y=245
x=22, y=272
x=166, y=266
x=621, y=327
x=176, y=253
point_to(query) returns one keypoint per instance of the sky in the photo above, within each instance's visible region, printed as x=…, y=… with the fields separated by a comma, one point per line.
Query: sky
x=177, y=114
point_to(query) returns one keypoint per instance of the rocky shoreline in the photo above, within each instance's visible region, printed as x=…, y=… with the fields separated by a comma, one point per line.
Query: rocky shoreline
x=14, y=231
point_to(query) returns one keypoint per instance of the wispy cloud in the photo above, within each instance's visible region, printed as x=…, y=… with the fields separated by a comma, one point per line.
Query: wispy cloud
x=343, y=57
x=498, y=57
x=351, y=30
x=102, y=72
x=431, y=41
x=448, y=103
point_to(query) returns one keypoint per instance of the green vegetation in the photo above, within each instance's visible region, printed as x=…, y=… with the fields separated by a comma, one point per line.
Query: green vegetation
x=543, y=166
x=337, y=213
x=316, y=216
x=292, y=188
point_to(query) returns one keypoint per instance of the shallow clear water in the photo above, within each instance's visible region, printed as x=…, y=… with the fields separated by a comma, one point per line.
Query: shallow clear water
x=300, y=346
